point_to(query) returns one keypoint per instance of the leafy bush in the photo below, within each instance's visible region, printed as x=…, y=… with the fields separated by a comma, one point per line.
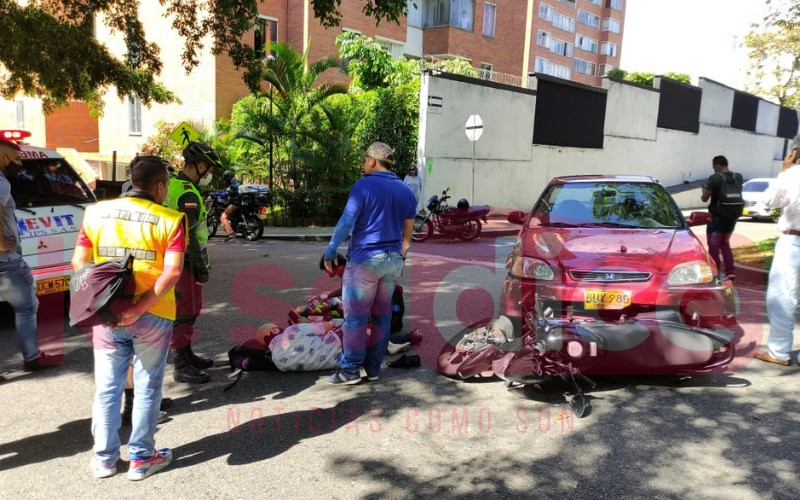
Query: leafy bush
x=319, y=206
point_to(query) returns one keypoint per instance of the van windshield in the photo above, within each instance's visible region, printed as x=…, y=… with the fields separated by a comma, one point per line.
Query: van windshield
x=48, y=182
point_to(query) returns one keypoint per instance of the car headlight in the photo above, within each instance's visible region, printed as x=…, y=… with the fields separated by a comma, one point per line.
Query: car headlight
x=691, y=273
x=528, y=267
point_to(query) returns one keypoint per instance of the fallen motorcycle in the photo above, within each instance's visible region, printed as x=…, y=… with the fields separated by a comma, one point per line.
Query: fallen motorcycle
x=462, y=221
x=538, y=347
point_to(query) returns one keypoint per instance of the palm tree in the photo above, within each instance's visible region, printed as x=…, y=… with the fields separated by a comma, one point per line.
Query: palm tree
x=291, y=100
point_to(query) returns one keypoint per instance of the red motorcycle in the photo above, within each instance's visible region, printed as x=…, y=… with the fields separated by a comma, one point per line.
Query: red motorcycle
x=461, y=221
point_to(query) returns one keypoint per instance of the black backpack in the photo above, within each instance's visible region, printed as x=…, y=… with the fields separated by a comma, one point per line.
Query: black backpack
x=730, y=204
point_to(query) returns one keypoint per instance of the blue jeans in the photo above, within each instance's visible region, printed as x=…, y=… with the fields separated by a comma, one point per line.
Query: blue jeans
x=783, y=294
x=367, y=289
x=17, y=288
x=145, y=344
x=718, y=233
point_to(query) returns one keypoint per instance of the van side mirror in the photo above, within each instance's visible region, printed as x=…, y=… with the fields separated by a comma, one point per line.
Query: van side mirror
x=699, y=219
x=516, y=217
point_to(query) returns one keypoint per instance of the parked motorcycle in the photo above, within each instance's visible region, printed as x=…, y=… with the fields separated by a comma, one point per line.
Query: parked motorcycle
x=462, y=221
x=246, y=223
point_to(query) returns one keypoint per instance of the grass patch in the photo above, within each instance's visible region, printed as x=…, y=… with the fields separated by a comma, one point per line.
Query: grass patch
x=756, y=254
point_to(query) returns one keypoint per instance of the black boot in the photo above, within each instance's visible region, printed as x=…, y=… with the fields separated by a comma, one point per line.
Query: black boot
x=197, y=361
x=184, y=371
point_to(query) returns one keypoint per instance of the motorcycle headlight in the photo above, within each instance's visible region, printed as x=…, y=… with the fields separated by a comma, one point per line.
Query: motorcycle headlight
x=528, y=267
x=691, y=273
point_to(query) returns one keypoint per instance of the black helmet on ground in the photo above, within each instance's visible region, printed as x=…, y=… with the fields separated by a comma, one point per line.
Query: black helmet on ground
x=198, y=151
x=463, y=203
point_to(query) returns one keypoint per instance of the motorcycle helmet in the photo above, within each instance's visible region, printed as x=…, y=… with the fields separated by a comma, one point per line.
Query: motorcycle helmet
x=198, y=151
x=228, y=176
x=463, y=203
x=433, y=202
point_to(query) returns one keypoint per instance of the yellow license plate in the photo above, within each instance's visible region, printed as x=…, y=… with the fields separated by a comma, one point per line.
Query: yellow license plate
x=52, y=285
x=606, y=299
x=745, y=212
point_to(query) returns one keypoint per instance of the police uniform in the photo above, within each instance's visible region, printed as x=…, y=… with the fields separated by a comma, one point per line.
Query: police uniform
x=183, y=196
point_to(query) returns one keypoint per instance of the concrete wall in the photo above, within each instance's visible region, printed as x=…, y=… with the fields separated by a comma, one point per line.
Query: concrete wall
x=768, y=114
x=510, y=172
x=717, y=104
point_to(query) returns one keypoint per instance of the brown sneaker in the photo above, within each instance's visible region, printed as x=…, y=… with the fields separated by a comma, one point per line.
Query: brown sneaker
x=764, y=356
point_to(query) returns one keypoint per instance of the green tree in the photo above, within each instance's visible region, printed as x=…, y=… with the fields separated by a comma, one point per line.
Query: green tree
x=774, y=52
x=293, y=98
x=647, y=78
x=47, y=49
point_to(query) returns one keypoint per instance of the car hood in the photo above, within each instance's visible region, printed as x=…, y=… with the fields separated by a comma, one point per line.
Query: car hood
x=653, y=250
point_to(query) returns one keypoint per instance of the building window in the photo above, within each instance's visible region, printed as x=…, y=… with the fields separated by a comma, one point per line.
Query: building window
x=265, y=32
x=414, y=13
x=568, y=2
x=563, y=22
x=545, y=12
x=456, y=13
x=589, y=19
x=583, y=42
x=489, y=13
x=611, y=24
x=605, y=68
x=552, y=69
x=614, y=4
x=609, y=49
x=561, y=47
x=20, y=114
x=584, y=67
x=134, y=115
x=595, y=2
x=486, y=71
x=543, y=39
x=394, y=48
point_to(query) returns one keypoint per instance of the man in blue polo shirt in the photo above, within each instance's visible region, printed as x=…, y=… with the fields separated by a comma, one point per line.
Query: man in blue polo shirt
x=380, y=214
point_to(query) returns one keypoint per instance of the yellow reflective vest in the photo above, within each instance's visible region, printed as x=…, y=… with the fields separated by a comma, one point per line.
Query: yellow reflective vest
x=139, y=227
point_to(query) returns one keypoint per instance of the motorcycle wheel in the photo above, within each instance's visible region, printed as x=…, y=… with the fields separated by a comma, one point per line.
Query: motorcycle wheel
x=470, y=230
x=422, y=229
x=213, y=225
x=253, y=227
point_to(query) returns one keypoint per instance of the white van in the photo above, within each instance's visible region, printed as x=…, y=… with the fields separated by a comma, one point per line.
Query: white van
x=51, y=198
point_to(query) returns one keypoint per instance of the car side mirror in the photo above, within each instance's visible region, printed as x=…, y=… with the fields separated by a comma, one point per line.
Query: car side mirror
x=699, y=219
x=516, y=217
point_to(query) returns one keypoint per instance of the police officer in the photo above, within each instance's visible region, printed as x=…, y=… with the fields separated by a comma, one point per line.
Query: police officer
x=183, y=196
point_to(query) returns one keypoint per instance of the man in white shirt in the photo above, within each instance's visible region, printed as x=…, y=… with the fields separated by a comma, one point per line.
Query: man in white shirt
x=783, y=290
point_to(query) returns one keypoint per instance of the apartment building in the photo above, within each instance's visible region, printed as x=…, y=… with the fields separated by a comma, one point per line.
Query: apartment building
x=578, y=40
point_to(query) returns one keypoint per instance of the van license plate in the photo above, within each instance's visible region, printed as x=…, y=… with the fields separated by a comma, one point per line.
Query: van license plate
x=606, y=299
x=52, y=285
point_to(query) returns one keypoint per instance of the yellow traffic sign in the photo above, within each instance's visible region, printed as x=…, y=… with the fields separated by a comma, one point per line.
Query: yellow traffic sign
x=184, y=134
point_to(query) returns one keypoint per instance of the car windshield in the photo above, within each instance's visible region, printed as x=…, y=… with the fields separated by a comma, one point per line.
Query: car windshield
x=755, y=186
x=48, y=182
x=608, y=204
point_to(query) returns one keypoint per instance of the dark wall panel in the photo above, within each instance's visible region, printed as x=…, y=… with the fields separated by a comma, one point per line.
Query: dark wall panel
x=787, y=123
x=569, y=115
x=679, y=106
x=745, y=111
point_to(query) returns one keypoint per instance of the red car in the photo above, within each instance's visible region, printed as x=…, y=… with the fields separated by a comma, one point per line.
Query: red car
x=605, y=277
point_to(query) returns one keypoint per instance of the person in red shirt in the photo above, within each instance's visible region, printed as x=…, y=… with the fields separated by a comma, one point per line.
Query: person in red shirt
x=136, y=224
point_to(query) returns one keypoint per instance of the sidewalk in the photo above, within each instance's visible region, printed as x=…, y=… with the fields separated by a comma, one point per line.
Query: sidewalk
x=496, y=227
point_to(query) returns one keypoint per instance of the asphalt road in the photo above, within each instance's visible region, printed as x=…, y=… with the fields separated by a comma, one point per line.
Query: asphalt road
x=412, y=433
